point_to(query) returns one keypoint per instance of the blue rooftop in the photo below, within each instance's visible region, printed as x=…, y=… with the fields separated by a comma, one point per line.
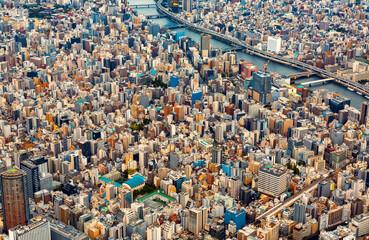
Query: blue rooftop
x=135, y=181
x=105, y=179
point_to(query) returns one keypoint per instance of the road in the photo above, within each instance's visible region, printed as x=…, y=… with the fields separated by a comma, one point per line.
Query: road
x=289, y=201
x=261, y=53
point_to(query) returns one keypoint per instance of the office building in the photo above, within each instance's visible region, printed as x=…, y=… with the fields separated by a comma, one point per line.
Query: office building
x=14, y=198
x=33, y=181
x=195, y=221
x=324, y=189
x=237, y=215
x=38, y=229
x=153, y=232
x=173, y=160
x=217, y=155
x=219, y=133
x=260, y=87
x=272, y=180
x=274, y=44
x=360, y=225
x=205, y=45
x=187, y=5
x=338, y=103
x=299, y=212
x=364, y=112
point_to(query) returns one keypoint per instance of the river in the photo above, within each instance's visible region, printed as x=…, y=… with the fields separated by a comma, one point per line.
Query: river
x=356, y=99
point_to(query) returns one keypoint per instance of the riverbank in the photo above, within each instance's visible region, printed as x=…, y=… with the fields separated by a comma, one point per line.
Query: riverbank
x=282, y=69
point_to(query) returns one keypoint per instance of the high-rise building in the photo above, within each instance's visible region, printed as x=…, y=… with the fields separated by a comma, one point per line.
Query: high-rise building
x=261, y=87
x=360, y=225
x=173, y=160
x=183, y=198
x=299, y=213
x=217, y=155
x=64, y=214
x=38, y=229
x=272, y=180
x=75, y=214
x=32, y=175
x=14, y=198
x=219, y=133
x=245, y=195
x=237, y=215
x=364, y=112
x=188, y=171
x=187, y=5
x=338, y=103
x=324, y=189
x=274, y=44
x=195, y=221
x=125, y=197
x=153, y=232
x=205, y=45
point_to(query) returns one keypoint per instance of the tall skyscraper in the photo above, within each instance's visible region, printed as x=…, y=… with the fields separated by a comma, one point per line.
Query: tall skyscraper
x=217, y=155
x=195, y=221
x=364, y=112
x=14, y=198
x=187, y=5
x=205, y=45
x=299, y=213
x=173, y=158
x=188, y=171
x=261, y=86
x=33, y=182
x=219, y=133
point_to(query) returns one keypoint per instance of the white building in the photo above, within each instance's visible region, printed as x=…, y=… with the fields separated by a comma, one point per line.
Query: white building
x=360, y=225
x=274, y=44
x=37, y=230
x=153, y=232
x=272, y=180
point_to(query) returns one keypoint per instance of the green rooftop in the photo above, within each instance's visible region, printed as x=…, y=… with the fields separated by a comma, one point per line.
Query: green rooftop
x=157, y=192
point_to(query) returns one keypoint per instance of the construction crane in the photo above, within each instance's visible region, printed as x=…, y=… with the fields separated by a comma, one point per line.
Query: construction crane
x=266, y=65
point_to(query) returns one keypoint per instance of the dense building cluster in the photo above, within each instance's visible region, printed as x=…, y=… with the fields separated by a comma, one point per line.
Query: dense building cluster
x=114, y=127
x=327, y=34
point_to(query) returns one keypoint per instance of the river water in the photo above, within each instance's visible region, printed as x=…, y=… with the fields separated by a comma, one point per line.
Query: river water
x=356, y=99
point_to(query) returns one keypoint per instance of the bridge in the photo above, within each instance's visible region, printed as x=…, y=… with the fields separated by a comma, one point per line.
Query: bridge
x=173, y=26
x=155, y=16
x=317, y=81
x=224, y=50
x=142, y=5
x=268, y=55
x=301, y=74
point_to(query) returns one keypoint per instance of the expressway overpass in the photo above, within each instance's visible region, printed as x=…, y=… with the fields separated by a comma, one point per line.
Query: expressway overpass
x=289, y=201
x=294, y=63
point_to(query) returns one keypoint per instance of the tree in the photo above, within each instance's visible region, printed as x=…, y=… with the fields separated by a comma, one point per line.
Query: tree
x=289, y=165
x=135, y=193
x=146, y=121
x=296, y=170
